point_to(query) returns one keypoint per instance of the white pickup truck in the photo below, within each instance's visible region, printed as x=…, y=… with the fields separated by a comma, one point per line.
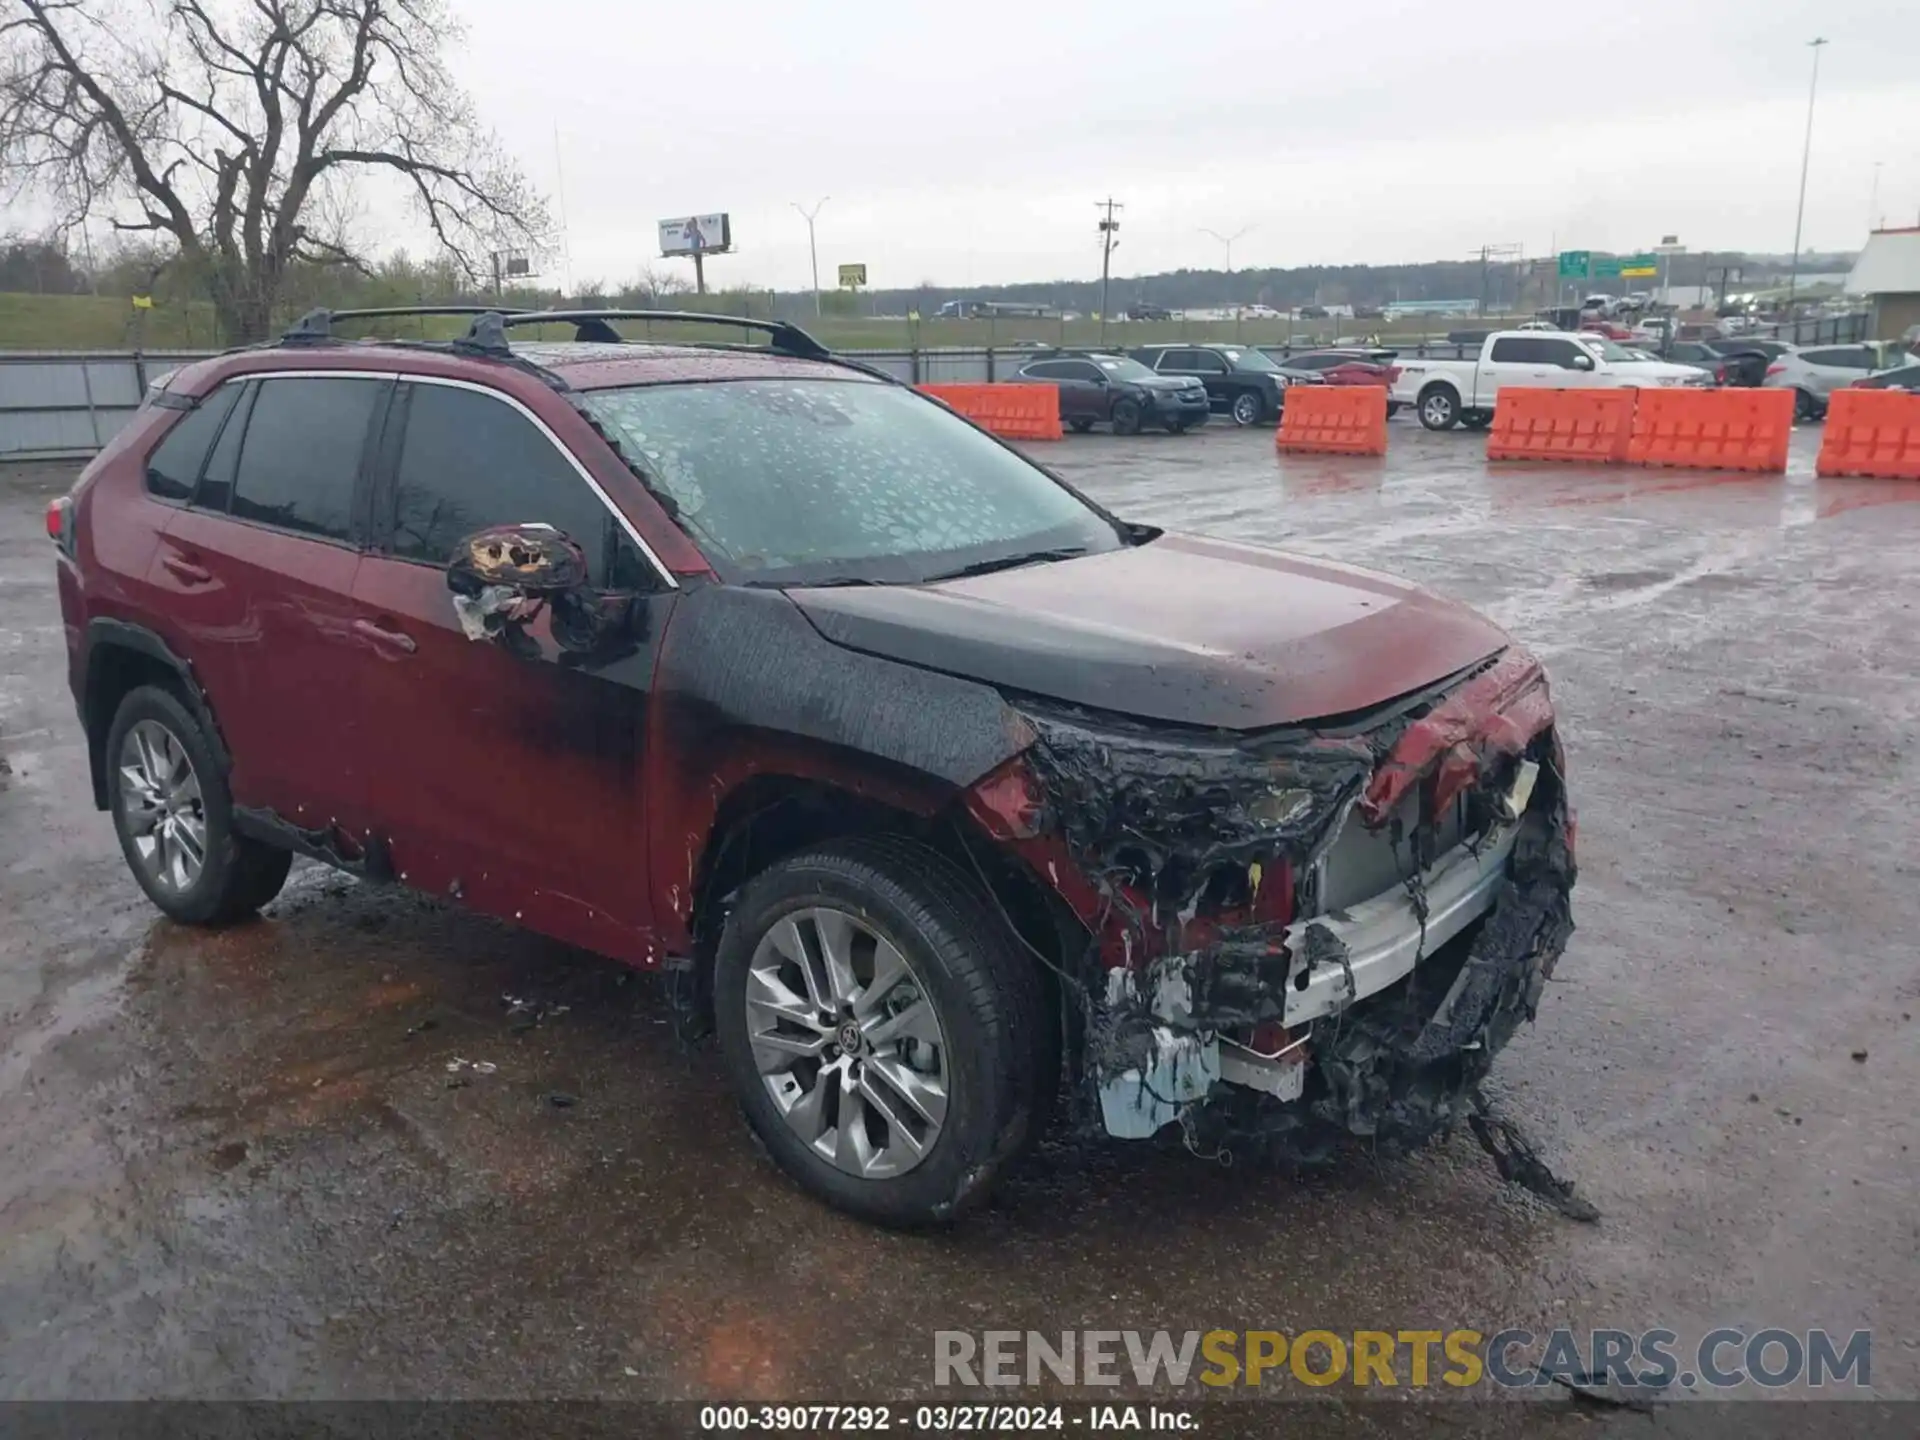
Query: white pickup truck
x=1445, y=393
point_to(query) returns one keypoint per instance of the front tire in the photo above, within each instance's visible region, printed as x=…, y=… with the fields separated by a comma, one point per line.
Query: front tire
x=1080, y=427
x=1439, y=408
x=1806, y=409
x=881, y=1029
x=1246, y=408
x=1126, y=417
x=171, y=809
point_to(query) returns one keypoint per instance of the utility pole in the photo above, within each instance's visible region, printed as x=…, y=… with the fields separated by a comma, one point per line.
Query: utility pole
x=1806, y=155
x=813, y=250
x=1108, y=228
x=1873, y=199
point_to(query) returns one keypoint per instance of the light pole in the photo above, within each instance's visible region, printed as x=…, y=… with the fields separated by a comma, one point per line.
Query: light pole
x=813, y=250
x=1226, y=241
x=1806, y=155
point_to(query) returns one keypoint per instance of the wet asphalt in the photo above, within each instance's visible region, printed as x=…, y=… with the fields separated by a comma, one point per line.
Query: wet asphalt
x=237, y=1164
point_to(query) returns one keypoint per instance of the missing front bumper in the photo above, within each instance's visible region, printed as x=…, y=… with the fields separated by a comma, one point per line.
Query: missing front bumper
x=1400, y=1052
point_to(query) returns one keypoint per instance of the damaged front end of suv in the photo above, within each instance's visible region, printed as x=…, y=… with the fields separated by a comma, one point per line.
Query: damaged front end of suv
x=1303, y=934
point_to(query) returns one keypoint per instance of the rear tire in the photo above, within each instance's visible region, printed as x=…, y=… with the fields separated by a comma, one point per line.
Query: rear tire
x=1246, y=408
x=959, y=1014
x=1126, y=417
x=172, y=811
x=1439, y=407
x=1806, y=409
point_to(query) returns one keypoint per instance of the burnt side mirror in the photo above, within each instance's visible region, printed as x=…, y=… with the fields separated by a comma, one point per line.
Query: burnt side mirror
x=504, y=577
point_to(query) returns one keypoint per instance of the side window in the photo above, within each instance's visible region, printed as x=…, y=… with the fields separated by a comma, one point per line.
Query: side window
x=1082, y=370
x=300, y=460
x=1823, y=357
x=1205, y=362
x=1515, y=350
x=216, y=482
x=1046, y=370
x=174, y=467
x=470, y=461
x=1166, y=361
x=1562, y=352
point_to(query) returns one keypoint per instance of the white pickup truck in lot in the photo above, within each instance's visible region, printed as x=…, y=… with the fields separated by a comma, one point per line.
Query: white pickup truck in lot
x=1445, y=393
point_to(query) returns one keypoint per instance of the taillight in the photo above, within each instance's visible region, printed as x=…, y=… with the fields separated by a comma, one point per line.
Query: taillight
x=1776, y=369
x=60, y=522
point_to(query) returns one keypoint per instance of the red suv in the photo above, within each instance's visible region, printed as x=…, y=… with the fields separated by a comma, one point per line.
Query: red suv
x=935, y=784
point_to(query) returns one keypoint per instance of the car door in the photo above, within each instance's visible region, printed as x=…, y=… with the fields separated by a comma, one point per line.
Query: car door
x=511, y=781
x=1078, y=400
x=1569, y=364
x=1512, y=360
x=1836, y=367
x=1211, y=371
x=262, y=565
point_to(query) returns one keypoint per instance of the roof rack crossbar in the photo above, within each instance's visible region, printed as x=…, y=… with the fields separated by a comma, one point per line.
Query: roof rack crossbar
x=318, y=324
x=592, y=325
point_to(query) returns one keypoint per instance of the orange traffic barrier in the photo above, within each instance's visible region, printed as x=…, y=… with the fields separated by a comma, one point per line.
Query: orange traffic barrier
x=1874, y=433
x=1013, y=412
x=1713, y=429
x=1589, y=426
x=1333, y=420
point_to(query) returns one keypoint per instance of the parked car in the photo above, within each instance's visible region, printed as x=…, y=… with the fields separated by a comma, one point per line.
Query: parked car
x=923, y=775
x=1746, y=359
x=1456, y=392
x=1701, y=357
x=1149, y=312
x=1117, y=390
x=1606, y=329
x=1241, y=382
x=1814, y=372
x=1903, y=377
x=1339, y=366
x=1656, y=328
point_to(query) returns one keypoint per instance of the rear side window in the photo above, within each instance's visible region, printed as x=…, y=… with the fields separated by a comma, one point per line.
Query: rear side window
x=300, y=461
x=1514, y=351
x=470, y=461
x=174, y=467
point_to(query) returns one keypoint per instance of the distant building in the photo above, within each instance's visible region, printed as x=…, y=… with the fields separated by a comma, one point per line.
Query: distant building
x=1887, y=276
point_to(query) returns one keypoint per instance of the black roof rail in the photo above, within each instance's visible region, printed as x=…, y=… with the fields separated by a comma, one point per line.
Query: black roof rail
x=591, y=325
x=318, y=324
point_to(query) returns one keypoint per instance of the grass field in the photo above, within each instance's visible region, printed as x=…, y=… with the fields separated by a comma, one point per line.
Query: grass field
x=107, y=322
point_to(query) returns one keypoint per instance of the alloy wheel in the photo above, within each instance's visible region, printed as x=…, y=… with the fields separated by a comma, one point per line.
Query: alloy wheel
x=161, y=805
x=1246, y=410
x=847, y=1042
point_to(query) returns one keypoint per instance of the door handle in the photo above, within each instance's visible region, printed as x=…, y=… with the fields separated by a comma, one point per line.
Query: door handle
x=383, y=638
x=185, y=571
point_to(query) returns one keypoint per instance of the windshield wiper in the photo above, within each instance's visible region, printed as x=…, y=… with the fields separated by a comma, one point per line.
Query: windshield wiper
x=1009, y=562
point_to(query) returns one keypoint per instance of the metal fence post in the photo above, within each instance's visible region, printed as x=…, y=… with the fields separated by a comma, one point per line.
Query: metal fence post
x=93, y=415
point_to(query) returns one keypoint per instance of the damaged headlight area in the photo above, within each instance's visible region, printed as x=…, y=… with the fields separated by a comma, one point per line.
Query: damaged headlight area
x=1308, y=935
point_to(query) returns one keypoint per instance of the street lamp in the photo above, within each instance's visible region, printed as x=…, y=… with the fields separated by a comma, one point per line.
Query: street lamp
x=813, y=250
x=1806, y=155
x=1227, y=241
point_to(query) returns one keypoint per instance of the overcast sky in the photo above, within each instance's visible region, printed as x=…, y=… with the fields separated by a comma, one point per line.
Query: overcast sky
x=968, y=144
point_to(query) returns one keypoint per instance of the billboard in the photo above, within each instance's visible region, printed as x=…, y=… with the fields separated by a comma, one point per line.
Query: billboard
x=696, y=234
x=852, y=277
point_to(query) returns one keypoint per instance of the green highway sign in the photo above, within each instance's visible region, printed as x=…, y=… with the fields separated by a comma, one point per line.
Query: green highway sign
x=1614, y=267
x=1575, y=264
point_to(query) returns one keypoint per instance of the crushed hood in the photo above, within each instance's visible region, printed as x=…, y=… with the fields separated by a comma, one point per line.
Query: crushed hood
x=1185, y=629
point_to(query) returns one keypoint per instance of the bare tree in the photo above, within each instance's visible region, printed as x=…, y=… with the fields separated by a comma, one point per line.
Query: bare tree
x=237, y=127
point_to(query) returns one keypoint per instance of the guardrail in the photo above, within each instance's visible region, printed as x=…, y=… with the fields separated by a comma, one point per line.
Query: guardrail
x=59, y=403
